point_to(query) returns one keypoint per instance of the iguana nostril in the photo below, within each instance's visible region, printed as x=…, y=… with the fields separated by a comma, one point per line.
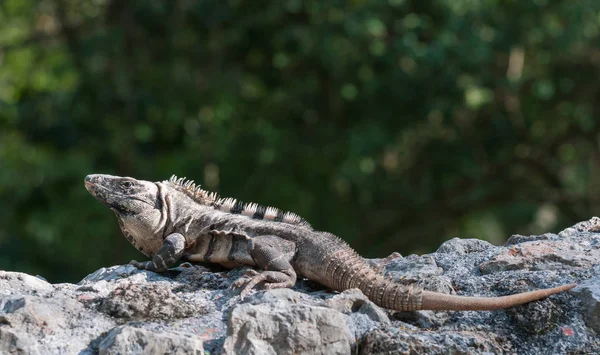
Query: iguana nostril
x=88, y=182
x=93, y=179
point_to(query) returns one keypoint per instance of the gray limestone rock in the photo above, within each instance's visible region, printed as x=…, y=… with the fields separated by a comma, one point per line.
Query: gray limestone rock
x=282, y=327
x=191, y=309
x=589, y=294
x=152, y=301
x=457, y=246
x=591, y=225
x=354, y=300
x=409, y=342
x=542, y=255
x=55, y=325
x=130, y=340
x=20, y=283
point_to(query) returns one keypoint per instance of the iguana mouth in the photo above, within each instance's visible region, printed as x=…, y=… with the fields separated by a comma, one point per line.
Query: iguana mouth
x=90, y=183
x=95, y=186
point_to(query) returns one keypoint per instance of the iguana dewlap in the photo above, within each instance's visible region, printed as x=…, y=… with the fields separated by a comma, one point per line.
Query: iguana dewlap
x=175, y=220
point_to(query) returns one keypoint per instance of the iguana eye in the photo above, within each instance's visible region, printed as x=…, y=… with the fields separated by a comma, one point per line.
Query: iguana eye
x=127, y=184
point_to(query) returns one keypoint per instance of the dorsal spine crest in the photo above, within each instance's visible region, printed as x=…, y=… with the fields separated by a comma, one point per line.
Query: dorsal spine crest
x=233, y=206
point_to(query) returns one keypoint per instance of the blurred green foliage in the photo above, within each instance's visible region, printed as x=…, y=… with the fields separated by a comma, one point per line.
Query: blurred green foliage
x=395, y=124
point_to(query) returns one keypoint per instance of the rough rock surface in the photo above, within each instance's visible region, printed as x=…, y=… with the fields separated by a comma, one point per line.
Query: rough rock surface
x=126, y=339
x=192, y=310
x=284, y=327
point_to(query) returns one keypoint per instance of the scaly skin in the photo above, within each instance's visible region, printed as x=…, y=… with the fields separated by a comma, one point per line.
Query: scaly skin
x=174, y=220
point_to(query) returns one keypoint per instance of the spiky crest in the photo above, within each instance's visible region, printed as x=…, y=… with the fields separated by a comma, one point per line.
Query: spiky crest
x=231, y=205
x=192, y=190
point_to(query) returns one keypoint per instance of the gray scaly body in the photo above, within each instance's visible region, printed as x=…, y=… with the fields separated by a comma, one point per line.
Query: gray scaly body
x=175, y=220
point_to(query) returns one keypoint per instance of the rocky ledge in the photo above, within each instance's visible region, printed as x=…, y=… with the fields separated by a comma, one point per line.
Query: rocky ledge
x=192, y=309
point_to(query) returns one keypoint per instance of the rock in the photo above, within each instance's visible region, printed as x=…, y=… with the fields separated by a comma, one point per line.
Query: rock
x=28, y=322
x=109, y=274
x=542, y=255
x=347, y=302
x=374, y=313
x=192, y=309
x=518, y=239
x=20, y=283
x=16, y=342
x=402, y=341
x=463, y=246
x=362, y=315
x=591, y=225
x=412, y=268
x=589, y=294
x=134, y=301
x=423, y=319
x=275, y=295
x=354, y=300
x=422, y=269
x=131, y=340
x=198, y=277
x=537, y=318
x=286, y=328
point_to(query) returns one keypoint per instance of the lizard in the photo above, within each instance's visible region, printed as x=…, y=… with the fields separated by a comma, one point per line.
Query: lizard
x=176, y=220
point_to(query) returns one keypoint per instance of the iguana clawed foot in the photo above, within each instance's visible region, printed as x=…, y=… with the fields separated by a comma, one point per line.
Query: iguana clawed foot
x=271, y=279
x=168, y=254
x=382, y=265
x=142, y=265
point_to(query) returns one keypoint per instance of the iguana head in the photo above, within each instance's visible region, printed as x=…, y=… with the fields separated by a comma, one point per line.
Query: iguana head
x=137, y=205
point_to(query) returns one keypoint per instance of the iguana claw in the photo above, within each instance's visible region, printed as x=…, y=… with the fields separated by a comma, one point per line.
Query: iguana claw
x=250, y=279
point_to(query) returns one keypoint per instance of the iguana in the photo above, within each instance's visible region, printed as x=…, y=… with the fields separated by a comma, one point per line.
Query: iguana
x=176, y=220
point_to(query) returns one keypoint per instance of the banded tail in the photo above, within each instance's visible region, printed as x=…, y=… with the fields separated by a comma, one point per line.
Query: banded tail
x=345, y=270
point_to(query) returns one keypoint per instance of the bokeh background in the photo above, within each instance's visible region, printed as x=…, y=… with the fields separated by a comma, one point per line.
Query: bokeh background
x=395, y=124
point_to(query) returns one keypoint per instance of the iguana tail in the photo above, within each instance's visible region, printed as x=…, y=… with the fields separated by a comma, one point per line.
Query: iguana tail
x=442, y=301
x=345, y=269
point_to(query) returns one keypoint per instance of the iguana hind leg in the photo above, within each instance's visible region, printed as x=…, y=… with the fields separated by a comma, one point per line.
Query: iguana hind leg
x=272, y=254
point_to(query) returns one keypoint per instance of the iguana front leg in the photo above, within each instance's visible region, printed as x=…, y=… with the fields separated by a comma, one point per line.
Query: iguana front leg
x=168, y=255
x=272, y=254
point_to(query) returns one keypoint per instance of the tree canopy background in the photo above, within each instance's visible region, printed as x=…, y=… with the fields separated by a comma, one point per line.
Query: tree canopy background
x=395, y=124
